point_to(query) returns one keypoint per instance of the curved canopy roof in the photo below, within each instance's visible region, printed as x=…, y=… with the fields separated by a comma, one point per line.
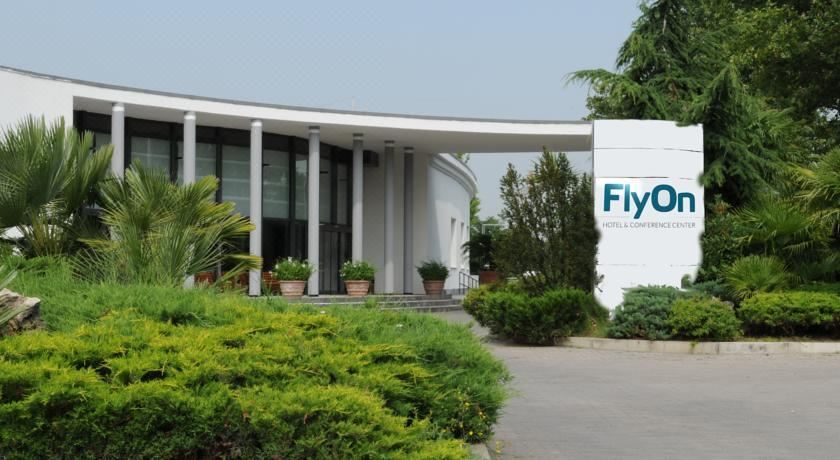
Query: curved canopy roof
x=427, y=134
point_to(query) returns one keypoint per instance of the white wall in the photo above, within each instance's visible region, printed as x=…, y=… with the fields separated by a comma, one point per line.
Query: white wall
x=21, y=95
x=449, y=198
x=657, y=247
x=442, y=191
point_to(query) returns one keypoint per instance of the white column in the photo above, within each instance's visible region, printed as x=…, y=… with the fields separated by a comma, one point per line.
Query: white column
x=358, y=199
x=408, y=221
x=189, y=147
x=118, y=139
x=255, y=198
x=189, y=165
x=313, y=234
x=389, y=217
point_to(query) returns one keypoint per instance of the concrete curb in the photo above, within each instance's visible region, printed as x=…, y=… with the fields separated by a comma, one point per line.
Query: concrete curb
x=702, y=348
x=480, y=451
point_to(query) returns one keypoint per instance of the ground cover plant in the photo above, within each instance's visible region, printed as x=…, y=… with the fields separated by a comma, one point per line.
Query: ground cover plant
x=159, y=372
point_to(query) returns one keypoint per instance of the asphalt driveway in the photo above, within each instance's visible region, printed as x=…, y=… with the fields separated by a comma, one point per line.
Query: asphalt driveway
x=589, y=404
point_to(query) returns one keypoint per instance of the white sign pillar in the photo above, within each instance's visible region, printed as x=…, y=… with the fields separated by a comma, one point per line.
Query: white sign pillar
x=648, y=204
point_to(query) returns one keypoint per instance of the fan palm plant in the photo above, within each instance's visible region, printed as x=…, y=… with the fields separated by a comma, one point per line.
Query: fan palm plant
x=821, y=189
x=160, y=232
x=802, y=225
x=48, y=174
x=752, y=274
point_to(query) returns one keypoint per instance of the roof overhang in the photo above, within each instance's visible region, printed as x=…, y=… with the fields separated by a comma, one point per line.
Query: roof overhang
x=426, y=134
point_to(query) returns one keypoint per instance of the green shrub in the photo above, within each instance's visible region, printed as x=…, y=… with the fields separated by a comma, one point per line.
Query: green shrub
x=429, y=379
x=752, y=274
x=700, y=318
x=792, y=314
x=269, y=385
x=830, y=288
x=293, y=270
x=357, y=271
x=644, y=313
x=433, y=270
x=719, y=241
x=475, y=300
x=711, y=288
x=538, y=319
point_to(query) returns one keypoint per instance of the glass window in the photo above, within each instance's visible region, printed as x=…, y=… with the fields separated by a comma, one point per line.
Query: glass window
x=453, y=244
x=324, y=190
x=300, y=186
x=151, y=152
x=100, y=139
x=276, y=184
x=343, y=193
x=464, y=260
x=205, y=160
x=236, y=174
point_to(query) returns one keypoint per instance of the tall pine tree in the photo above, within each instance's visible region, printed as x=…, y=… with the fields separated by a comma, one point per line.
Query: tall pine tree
x=674, y=67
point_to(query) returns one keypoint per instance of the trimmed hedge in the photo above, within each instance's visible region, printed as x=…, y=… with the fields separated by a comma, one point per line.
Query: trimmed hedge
x=792, y=314
x=703, y=319
x=644, y=313
x=539, y=319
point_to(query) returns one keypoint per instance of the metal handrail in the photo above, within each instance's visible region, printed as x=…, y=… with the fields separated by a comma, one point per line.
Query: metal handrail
x=466, y=282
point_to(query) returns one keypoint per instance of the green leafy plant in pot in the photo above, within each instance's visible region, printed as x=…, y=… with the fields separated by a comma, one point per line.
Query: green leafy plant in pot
x=479, y=249
x=357, y=276
x=434, y=274
x=293, y=274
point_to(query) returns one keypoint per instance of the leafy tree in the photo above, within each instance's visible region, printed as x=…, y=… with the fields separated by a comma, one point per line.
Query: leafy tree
x=551, y=238
x=790, y=53
x=674, y=66
x=475, y=219
x=48, y=175
x=160, y=232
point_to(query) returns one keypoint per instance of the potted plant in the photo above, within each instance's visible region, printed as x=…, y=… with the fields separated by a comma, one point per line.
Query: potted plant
x=292, y=275
x=205, y=277
x=480, y=251
x=434, y=274
x=357, y=276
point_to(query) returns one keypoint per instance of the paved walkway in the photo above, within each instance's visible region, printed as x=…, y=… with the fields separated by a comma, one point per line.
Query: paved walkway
x=589, y=404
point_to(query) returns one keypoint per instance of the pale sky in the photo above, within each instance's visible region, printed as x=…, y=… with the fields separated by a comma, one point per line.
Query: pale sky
x=462, y=58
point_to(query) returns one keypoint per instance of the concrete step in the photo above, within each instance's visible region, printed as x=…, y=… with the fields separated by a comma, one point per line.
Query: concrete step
x=416, y=303
x=382, y=299
x=390, y=304
x=429, y=309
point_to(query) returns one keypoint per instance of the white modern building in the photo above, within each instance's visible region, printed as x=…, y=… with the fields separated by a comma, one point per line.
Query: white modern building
x=387, y=190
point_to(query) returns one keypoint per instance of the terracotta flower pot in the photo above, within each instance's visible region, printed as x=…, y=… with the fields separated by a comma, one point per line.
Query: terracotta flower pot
x=433, y=287
x=488, y=276
x=357, y=288
x=272, y=284
x=204, y=278
x=292, y=289
x=237, y=283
